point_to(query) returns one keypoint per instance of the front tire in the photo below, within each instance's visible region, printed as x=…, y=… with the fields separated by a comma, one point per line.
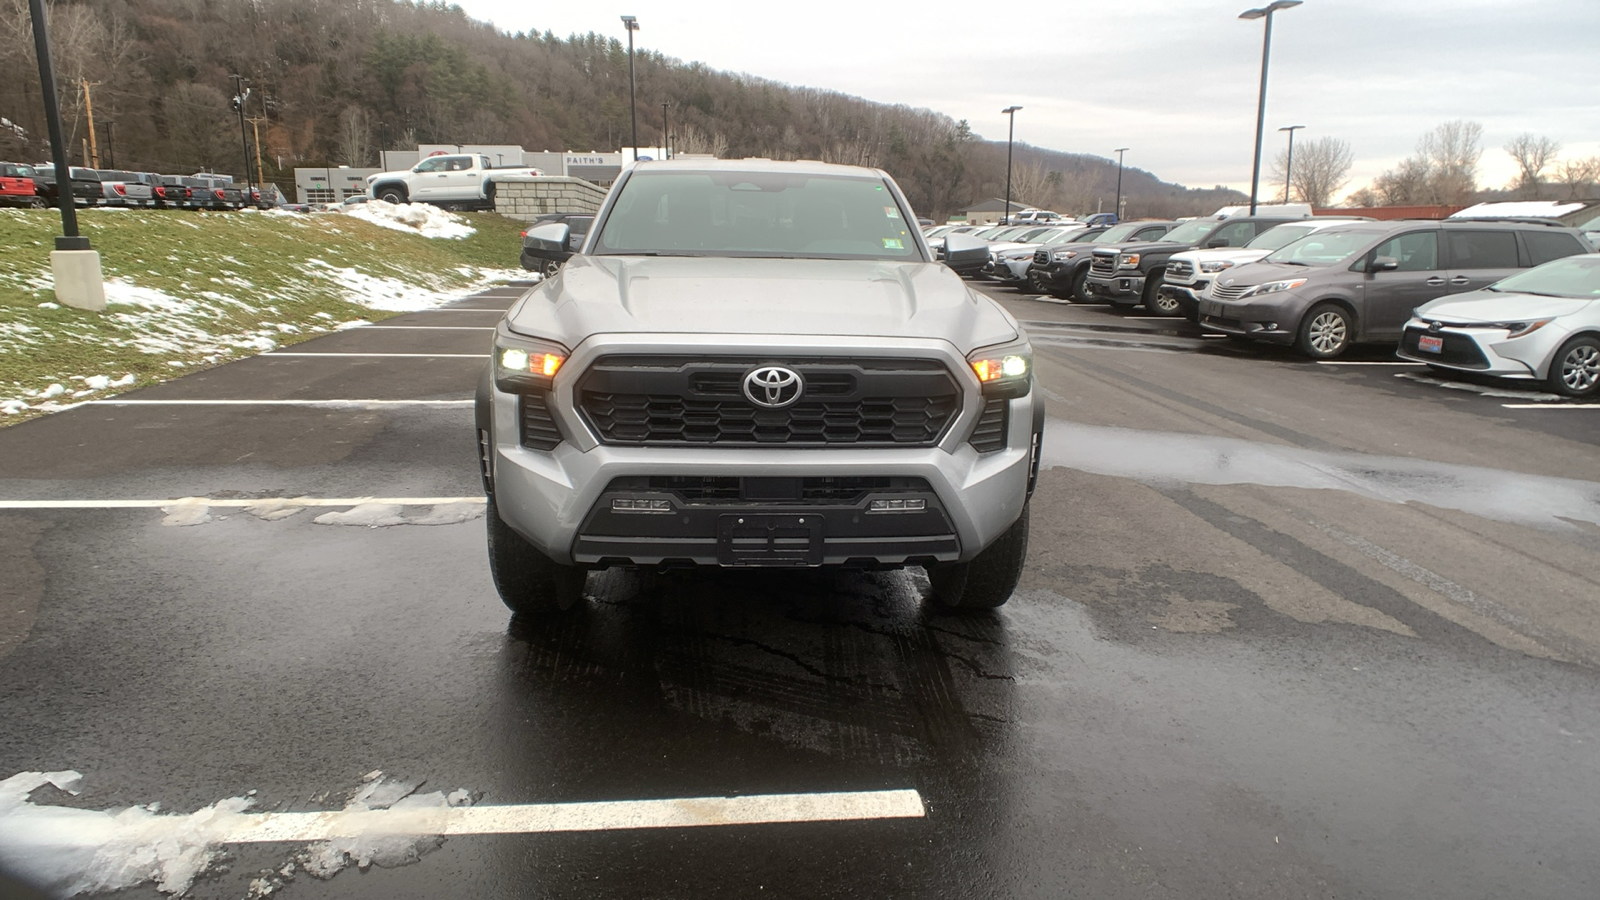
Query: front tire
x=1575, y=369
x=37, y=203
x=988, y=580
x=1157, y=303
x=549, y=268
x=393, y=195
x=529, y=583
x=1326, y=331
x=1079, y=291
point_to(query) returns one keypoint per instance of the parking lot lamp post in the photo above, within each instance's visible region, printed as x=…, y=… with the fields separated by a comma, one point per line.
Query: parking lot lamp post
x=632, y=24
x=1118, y=208
x=1261, y=100
x=1011, y=132
x=1288, y=169
x=76, y=266
x=666, y=145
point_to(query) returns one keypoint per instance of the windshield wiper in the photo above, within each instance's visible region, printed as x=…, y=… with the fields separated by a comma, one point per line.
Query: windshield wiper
x=1294, y=262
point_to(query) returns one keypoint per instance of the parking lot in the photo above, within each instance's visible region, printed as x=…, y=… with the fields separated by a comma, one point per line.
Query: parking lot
x=1287, y=629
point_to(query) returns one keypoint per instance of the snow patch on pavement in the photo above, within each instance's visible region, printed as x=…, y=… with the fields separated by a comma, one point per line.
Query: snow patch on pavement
x=416, y=218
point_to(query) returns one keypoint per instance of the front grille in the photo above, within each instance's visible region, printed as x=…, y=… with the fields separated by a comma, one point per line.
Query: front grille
x=1222, y=322
x=1180, y=269
x=539, y=431
x=1041, y=257
x=639, y=400
x=1458, y=349
x=1230, y=292
x=1103, y=264
x=699, y=489
x=989, y=434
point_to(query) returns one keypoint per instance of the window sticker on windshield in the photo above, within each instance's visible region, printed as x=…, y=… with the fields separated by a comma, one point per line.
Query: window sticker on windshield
x=893, y=244
x=891, y=212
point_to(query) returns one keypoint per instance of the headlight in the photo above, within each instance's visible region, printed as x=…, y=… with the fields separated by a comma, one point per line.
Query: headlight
x=1128, y=261
x=1005, y=371
x=1064, y=254
x=525, y=364
x=1272, y=287
x=1518, y=329
x=1215, y=266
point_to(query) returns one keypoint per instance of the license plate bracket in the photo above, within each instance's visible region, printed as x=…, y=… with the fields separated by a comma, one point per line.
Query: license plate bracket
x=1428, y=343
x=769, y=540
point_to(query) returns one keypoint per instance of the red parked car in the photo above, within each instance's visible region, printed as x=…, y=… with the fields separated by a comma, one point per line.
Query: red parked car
x=17, y=187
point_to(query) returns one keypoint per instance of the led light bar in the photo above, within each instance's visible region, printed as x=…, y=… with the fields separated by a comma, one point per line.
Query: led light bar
x=898, y=506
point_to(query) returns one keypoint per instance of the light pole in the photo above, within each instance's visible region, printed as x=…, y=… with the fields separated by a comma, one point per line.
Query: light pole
x=76, y=265
x=1011, y=133
x=1118, y=208
x=666, y=145
x=1288, y=173
x=1261, y=102
x=632, y=24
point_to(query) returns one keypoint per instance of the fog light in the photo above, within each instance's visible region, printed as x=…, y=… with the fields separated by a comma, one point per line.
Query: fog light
x=898, y=506
x=656, y=506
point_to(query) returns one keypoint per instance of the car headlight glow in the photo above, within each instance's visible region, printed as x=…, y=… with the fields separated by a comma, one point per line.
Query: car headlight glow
x=1064, y=254
x=1273, y=287
x=1004, y=371
x=523, y=364
x=1215, y=266
x=1128, y=261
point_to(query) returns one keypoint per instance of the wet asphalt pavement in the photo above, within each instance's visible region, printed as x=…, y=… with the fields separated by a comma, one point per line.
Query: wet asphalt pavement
x=1287, y=630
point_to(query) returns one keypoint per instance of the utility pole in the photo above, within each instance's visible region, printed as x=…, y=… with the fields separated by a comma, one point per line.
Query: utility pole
x=666, y=145
x=111, y=144
x=1288, y=174
x=240, y=95
x=1011, y=132
x=1118, y=209
x=255, y=127
x=93, y=158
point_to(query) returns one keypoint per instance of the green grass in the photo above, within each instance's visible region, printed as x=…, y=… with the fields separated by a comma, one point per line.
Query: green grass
x=190, y=290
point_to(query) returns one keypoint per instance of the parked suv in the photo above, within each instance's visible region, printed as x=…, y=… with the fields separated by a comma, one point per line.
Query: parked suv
x=547, y=262
x=1360, y=282
x=17, y=186
x=1131, y=273
x=756, y=364
x=1065, y=269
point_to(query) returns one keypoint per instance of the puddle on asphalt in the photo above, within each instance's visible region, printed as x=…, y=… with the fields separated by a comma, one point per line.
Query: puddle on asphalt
x=1159, y=457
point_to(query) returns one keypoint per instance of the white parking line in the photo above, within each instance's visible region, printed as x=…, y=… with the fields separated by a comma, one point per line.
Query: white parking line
x=536, y=818
x=1550, y=405
x=482, y=356
x=234, y=502
x=330, y=404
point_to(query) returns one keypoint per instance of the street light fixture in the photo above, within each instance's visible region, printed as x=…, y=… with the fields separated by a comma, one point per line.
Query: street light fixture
x=1011, y=133
x=1118, y=207
x=1288, y=174
x=1261, y=102
x=632, y=24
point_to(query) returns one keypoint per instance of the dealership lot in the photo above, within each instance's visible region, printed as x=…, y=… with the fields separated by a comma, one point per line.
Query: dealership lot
x=1287, y=629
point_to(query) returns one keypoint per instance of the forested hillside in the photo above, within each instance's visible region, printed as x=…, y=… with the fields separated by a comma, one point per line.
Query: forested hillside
x=333, y=80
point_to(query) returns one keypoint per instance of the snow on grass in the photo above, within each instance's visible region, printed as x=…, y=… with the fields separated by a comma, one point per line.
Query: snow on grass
x=418, y=218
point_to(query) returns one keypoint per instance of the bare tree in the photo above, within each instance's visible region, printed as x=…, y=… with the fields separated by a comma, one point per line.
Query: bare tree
x=1452, y=151
x=1321, y=168
x=693, y=140
x=1577, y=175
x=1532, y=154
x=355, y=136
x=1030, y=183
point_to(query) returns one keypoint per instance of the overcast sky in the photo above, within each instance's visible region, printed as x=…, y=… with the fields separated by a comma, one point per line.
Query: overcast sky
x=1174, y=80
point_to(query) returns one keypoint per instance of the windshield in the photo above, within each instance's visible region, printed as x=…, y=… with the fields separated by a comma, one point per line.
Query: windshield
x=1574, y=276
x=1118, y=233
x=1322, y=248
x=1189, y=232
x=1280, y=237
x=756, y=214
x=1061, y=235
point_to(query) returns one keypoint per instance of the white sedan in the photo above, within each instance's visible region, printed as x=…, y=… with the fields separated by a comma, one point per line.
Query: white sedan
x=1542, y=324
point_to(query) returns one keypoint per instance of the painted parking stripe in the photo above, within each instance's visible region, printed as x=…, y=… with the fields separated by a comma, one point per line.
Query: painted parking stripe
x=328, y=404
x=235, y=502
x=537, y=818
x=1552, y=405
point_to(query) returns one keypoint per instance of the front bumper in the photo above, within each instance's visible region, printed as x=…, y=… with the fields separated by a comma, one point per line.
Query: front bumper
x=1118, y=288
x=561, y=500
x=1485, y=350
x=1260, y=321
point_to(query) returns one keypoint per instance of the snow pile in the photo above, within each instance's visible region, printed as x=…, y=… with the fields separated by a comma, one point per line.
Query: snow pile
x=417, y=218
x=376, y=292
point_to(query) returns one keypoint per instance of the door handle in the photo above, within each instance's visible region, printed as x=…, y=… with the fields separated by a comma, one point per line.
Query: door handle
x=1435, y=281
x=1460, y=279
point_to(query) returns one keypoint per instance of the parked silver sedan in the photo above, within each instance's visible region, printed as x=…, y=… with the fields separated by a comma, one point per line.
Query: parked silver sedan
x=1542, y=324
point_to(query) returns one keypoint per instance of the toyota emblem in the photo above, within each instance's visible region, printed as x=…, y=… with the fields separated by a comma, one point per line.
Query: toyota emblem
x=773, y=386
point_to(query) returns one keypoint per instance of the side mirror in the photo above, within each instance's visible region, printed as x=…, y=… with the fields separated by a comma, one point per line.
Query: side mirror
x=1219, y=242
x=1384, y=264
x=964, y=248
x=551, y=238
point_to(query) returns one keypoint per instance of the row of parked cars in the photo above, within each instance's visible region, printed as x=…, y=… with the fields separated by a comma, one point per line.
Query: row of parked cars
x=35, y=186
x=1514, y=297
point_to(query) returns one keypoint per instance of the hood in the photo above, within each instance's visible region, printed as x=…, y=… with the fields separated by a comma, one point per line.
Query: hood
x=1235, y=255
x=1261, y=273
x=1498, y=306
x=1147, y=246
x=868, y=298
x=1003, y=246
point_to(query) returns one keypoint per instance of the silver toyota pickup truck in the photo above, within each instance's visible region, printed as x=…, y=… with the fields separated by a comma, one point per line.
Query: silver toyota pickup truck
x=756, y=364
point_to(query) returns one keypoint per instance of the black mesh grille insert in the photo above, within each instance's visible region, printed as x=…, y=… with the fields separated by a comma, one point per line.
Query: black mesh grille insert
x=684, y=400
x=729, y=488
x=539, y=431
x=990, y=433
x=1457, y=349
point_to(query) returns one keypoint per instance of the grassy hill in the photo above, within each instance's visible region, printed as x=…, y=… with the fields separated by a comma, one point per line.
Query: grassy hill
x=187, y=290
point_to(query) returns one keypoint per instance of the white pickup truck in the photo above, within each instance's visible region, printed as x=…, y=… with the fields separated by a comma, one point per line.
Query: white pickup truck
x=464, y=179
